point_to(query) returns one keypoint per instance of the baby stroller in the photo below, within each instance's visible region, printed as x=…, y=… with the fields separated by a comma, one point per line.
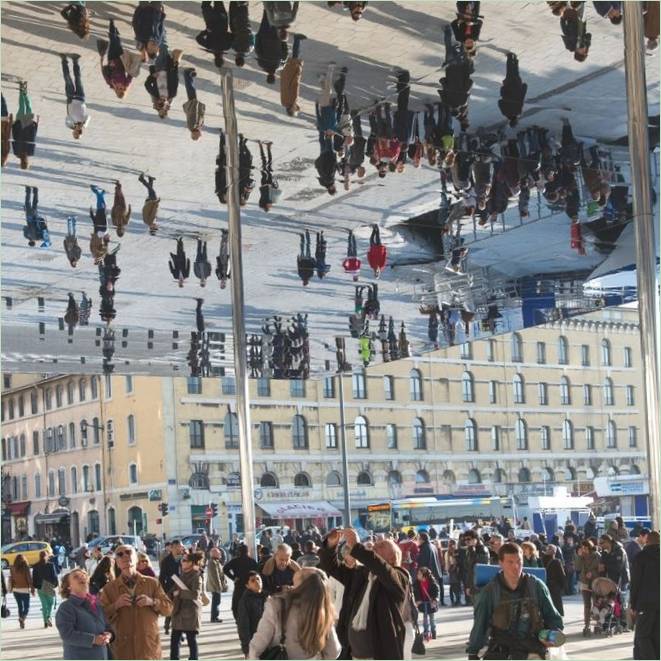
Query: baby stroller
x=606, y=606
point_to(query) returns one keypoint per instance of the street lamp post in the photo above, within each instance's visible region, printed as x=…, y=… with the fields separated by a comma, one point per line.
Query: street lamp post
x=341, y=365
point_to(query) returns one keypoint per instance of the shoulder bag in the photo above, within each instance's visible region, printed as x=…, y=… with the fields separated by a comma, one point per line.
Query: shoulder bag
x=278, y=651
x=418, y=646
x=5, y=609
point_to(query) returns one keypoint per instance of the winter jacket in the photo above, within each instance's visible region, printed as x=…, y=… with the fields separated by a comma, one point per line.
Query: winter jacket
x=249, y=613
x=477, y=554
x=269, y=632
x=651, y=19
x=71, y=248
x=326, y=165
x=78, y=624
x=169, y=567
x=616, y=564
x=130, y=621
x=431, y=594
x=24, y=135
x=428, y=557
x=377, y=256
x=150, y=210
x=194, y=111
x=281, y=14
x=271, y=52
x=388, y=597
x=512, y=97
x=148, y=20
x=555, y=581
x=20, y=579
x=645, y=580
x=290, y=83
x=187, y=607
x=120, y=214
x=632, y=549
x=44, y=571
x=214, y=575
x=274, y=579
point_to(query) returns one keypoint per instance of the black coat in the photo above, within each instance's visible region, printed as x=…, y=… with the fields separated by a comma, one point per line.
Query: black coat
x=555, y=581
x=44, y=572
x=169, y=568
x=428, y=557
x=24, y=138
x=645, y=580
x=249, y=613
x=148, y=21
x=616, y=564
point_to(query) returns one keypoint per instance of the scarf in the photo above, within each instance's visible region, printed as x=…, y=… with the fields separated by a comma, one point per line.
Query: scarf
x=360, y=618
x=91, y=600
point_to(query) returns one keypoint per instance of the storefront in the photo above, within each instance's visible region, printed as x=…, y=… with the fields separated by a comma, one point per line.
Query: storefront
x=53, y=525
x=17, y=516
x=626, y=495
x=299, y=515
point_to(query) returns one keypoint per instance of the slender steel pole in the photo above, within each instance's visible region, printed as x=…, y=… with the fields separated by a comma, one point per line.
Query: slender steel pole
x=345, y=456
x=634, y=66
x=238, y=318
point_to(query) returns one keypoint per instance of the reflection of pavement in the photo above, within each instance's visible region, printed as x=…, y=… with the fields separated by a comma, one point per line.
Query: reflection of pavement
x=219, y=641
x=125, y=138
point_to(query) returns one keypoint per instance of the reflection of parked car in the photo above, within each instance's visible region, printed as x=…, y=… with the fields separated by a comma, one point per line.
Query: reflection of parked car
x=189, y=540
x=29, y=550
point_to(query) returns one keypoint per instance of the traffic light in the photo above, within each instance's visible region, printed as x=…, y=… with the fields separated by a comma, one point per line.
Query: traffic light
x=163, y=508
x=214, y=509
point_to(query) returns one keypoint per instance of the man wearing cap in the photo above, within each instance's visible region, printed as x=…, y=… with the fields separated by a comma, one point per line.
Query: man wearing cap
x=132, y=604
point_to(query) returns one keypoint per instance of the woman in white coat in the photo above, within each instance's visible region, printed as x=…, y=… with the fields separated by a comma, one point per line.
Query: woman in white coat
x=308, y=615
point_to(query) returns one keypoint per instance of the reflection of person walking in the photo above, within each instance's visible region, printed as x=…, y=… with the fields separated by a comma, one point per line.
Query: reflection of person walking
x=77, y=116
x=223, y=260
x=199, y=317
x=71, y=247
x=513, y=91
x=150, y=207
x=351, y=264
x=221, y=170
x=193, y=108
x=179, y=264
x=320, y=256
x=305, y=261
x=202, y=267
x=269, y=189
x=72, y=315
x=290, y=79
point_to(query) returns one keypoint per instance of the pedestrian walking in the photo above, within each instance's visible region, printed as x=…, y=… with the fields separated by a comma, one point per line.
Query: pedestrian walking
x=237, y=570
x=71, y=247
x=20, y=583
x=162, y=83
x=179, y=264
x=77, y=116
x=36, y=228
x=202, y=266
x=120, y=213
x=246, y=182
x=321, y=266
x=216, y=582
x=81, y=620
x=290, y=78
x=555, y=576
x=23, y=129
x=115, y=72
x=187, y=605
x=301, y=620
x=133, y=604
x=270, y=50
x=85, y=308
x=243, y=39
x=216, y=38
x=428, y=557
x=72, y=315
x=223, y=259
x=377, y=255
x=149, y=28
x=351, y=263
x=193, y=108
x=250, y=609
x=44, y=580
x=513, y=91
x=281, y=15
x=150, y=207
x=305, y=262
x=170, y=566
x=269, y=190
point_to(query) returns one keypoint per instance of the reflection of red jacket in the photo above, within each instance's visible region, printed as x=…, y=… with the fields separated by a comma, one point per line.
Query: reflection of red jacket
x=351, y=265
x=576, y=238
x=376, y=256
x=387, y=150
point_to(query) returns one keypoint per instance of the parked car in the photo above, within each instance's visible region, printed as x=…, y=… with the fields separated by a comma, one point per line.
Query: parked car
x=110, y=542
x=90, y=546
x=29, y=550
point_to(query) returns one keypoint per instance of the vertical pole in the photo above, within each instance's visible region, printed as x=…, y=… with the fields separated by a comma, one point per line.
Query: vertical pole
x=345, y=457
x=238, y=319
x=634, y=65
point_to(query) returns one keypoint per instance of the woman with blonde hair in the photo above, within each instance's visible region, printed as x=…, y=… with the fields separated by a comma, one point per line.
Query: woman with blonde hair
x=144, y=565
x=20, y=583
x=530, y=555
x=301, y=619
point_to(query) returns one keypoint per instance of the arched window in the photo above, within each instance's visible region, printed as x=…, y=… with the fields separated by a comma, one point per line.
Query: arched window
x=268, y=481
x=419, y=437
x=521, y=433
x=611, y=434
x=364, y=479
x=605, y=353
x=567, y=435
x=34, y=402
x=474, y=476
x=70, y=392
x=391, y=436
x=299, y=433
x=415, y=384
x=302, y=480
x=394, y=477
x=361, y=432
x=82, y=390
x=422, y=477
x=61, y=482
x=565, y=391
x=563, y=350
x=524, y=475
x=48, y=396
x=517, y=348
x=449, y=477
x=548, y=475
x=59, y=395
x=74, y=480
x=61, y=439
x=518, y=387
x=359, y=385
x=133, y=473
x=94, y=387
x=231, y=430
x=333, y=479
x=499, y=476
x=135, y=520
x=72, y=435
x=470, y=435
x=609, y=395
x=467, y=387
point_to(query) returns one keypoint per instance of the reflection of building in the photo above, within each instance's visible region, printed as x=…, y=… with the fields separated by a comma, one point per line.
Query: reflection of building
x=62, y=481
x=555, y=405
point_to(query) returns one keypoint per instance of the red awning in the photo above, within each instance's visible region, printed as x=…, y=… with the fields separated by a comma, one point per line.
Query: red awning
x=19, y=509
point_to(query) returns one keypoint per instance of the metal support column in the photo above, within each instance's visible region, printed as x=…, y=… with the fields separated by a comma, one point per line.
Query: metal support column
x=634, y=65
x=238, y=318
x=345, y=457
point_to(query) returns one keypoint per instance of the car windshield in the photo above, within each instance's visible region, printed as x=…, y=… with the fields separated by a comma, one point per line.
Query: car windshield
x=7, y=547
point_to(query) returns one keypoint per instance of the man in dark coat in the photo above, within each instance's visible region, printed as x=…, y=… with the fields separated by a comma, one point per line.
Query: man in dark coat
x=513, y=91
x=243, y=40
x=428, y=557
x=381, y=588
x=149, y=27
x=270, y=50
x=216, y=38
x=237, y=570
x=645, y=599
x=179, y=264
x=170, y=567
x=614, y=561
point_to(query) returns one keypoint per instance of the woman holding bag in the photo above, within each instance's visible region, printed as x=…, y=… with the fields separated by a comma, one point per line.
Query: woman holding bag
x=20, y=583
x=44, y=579
x=187, y=609
x=426, y=593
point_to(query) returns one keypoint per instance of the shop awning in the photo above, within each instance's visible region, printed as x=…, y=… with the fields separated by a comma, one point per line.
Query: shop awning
x=18, y=509
x=312, y=510
x=52, y=517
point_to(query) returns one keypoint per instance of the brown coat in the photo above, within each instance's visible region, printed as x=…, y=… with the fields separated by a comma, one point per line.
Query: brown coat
x=136, y=628
x=187, y=609
x=149, y=211
x=6, y=135
x=651, y=18
x=120, y=214
x=20, y=578
x=290, y=83
x=98, y=247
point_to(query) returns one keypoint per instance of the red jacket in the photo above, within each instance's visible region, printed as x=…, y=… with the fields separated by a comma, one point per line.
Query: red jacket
x=351, y=265
x=410, y=552
x=387, y=150
x=576, y=238
x=377, y=256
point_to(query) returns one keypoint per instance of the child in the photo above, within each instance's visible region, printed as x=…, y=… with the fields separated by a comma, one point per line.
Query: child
x=426, y=599
x=187, y=609
x=250, y=609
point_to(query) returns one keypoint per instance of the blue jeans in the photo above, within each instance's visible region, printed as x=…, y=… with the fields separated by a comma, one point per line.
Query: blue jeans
x=428, y=623
x=22, y=603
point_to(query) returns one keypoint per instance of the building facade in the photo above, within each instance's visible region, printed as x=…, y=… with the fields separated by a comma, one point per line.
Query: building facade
x=518, y=414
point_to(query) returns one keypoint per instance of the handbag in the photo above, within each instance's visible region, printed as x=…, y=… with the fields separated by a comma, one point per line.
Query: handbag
x=278, y=651
x=4, y=611
x=204, y=598
x=418, y=646
x=48, y=588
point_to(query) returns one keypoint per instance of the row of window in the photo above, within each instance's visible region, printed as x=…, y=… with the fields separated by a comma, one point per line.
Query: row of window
x=56, y=485
x=55, y=397
x=361, y=434
x=562, y=352
x=519, y=391
x=61, y=438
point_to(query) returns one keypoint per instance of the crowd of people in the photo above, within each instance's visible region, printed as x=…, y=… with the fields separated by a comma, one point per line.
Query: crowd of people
x=321, y=594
